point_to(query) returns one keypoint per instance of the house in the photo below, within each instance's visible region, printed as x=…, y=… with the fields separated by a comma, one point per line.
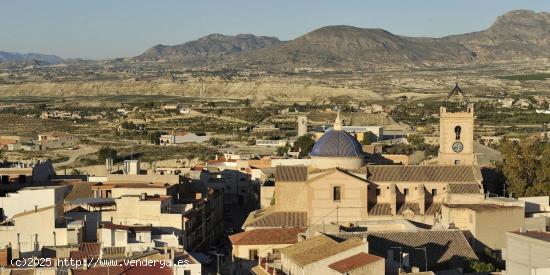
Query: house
x=250, y=245
x=528, y=252
x=316, y=255
x=54, y=140
x=487, y=223
x=181, y=138
x=27, y=232
x=434, y=249
x=29, y=198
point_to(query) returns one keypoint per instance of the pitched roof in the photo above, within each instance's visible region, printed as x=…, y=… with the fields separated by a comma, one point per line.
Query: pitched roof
x=291, y=173
x=413, y=206
x=276, y=219
x=482, y=207
x=443, y=246
x=29, y=212
x=317, y=248
x=464, y=188
x=79, y=189
x=353, y=262
x=380, y=209
x=433, y=208
x=267, y=236
x=421, y=173
x=86, y=251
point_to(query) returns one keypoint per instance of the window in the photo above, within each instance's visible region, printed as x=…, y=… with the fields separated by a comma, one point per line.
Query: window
x=434, y=192
x=187, y=272
x=458, y=129
x=457, y=162
x=336, y=195
x=406, y=191
x=378, y=192
x=253, y=254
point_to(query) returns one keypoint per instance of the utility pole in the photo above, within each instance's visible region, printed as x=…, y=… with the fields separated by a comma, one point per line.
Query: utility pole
x=400, y=255
x=425, y=256
x=218, y=263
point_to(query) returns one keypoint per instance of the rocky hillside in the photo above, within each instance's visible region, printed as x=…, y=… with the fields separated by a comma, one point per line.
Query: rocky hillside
x=211, y=48
x=346, y=46
x=516, y=34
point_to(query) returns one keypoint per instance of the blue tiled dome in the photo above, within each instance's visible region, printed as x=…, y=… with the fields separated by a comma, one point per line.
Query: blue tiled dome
x=337, y=144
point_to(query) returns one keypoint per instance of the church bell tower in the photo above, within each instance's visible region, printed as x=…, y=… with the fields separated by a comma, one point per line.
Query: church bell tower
x=456, y=132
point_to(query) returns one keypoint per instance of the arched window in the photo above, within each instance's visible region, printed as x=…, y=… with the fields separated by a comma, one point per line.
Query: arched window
x=457, y=132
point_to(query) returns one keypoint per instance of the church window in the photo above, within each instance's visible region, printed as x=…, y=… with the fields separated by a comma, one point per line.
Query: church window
x=458, y=129
x=406, y=191
x=378, y=191
x=336, y=193
x=434, y=192
x=457, y=162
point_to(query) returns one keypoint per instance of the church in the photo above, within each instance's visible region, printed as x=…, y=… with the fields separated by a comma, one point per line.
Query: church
x=339, y=188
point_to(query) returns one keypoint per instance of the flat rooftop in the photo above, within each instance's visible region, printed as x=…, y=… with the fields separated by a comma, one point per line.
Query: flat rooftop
x=539, y=235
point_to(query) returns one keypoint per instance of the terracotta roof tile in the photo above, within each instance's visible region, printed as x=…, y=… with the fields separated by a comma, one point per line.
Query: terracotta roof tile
x=279, y=219
x=464, y=188
x=380, y=209
x=267, y=236
x=444, y=246
x=355, y=261
x=433, y=209
x=481, y=207
x=317, y=248
x=291, y=173
x=421, y=173
x=86, y=251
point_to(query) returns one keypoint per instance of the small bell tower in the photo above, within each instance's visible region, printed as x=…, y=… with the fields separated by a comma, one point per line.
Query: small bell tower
x=456, y=132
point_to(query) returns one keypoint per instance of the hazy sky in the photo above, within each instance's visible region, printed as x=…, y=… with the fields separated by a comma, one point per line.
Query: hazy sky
x=119, y=28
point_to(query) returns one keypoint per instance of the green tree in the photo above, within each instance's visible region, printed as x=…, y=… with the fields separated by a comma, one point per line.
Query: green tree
x=369, y=137
x=215, y=142
x=154, y=137
x=105, y=153
x=526, y=168
x=415, y=140
x=304, y=144
x=479, y=266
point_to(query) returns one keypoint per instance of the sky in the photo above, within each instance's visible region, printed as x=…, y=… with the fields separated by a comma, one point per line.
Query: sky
x=101, y=29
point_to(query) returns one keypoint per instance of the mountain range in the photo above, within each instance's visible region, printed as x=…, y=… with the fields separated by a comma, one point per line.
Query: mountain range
x=516, y=34
x=30, y=57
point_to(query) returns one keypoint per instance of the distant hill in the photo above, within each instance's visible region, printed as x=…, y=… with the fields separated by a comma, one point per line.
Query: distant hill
x=357, y=47
x=30, y=57
x=213, y=47
x=516, y=34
